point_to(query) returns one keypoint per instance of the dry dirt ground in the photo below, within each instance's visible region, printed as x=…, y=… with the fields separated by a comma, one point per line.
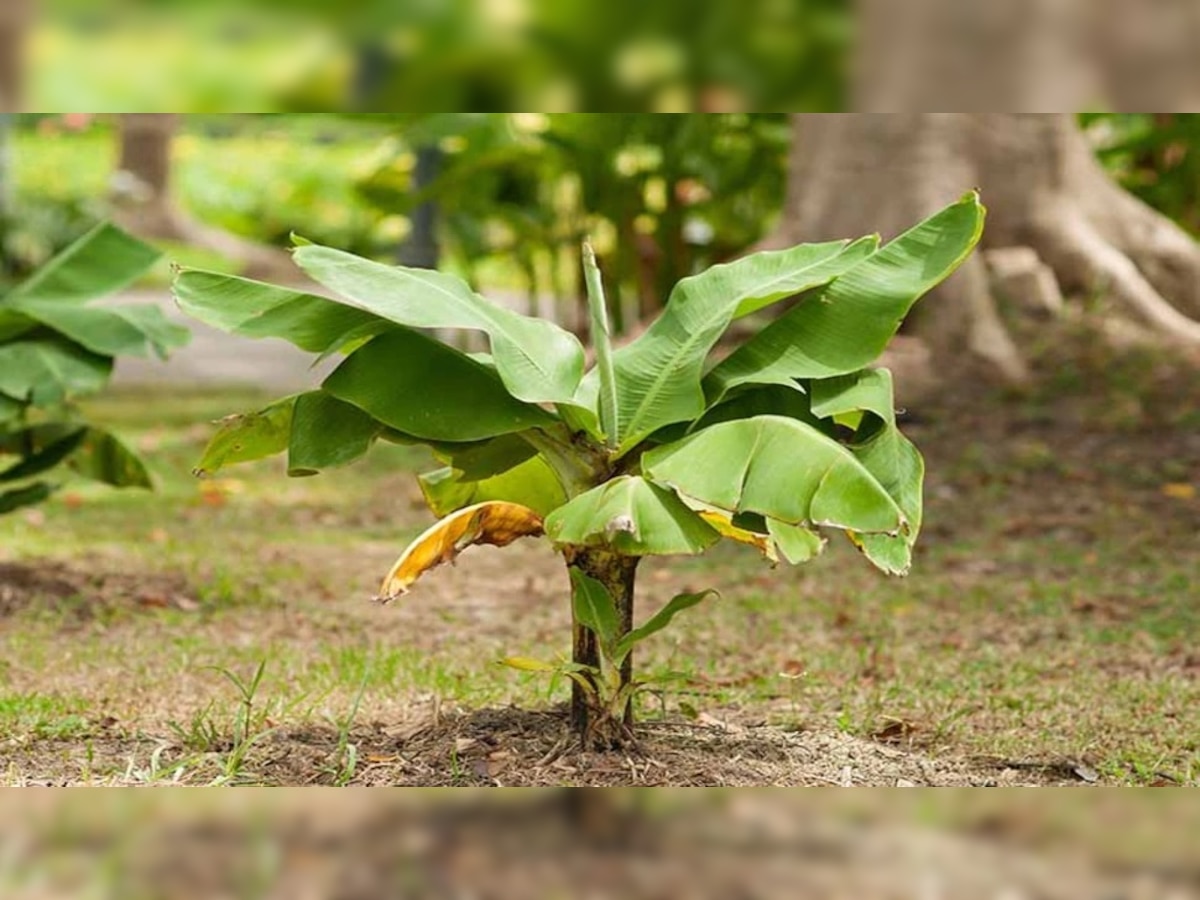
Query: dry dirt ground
x=438, y=744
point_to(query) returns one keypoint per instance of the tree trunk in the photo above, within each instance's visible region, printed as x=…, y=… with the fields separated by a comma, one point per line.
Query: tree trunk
x=1037, y=55
x=421, y=248
x=144, y=204
x=616, y=572
x=143, y=183
x=855, y=174
x=6, y=267
x=15, y=16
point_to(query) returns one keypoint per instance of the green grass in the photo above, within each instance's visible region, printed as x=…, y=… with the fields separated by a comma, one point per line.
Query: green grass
x=1051, y=614
x=43, y=716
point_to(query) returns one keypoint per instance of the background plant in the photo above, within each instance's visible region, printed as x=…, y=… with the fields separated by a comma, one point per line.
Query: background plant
x=658, y=449
x=1154, y=155
x=56, y=346
x=515, y=193
x=660, y=196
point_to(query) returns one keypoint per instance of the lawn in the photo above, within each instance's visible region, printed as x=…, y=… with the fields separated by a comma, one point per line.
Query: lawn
x=222, y=631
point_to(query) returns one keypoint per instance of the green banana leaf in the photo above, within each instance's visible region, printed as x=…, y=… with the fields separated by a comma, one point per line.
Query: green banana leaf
x=538, y=361
x=779, y=468
x=659, y=374
x=845, y=326
x=634, y=516
x=423, y=388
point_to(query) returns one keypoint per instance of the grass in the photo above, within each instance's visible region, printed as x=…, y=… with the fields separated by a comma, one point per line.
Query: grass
x=1050, y=619
x=43, y=716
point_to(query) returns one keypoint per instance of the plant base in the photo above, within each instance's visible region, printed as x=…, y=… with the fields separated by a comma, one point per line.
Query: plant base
x=596, y=728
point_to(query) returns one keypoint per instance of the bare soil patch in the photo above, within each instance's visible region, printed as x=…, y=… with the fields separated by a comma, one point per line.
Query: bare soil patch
x=85, y=592
x=513, y=747
x=521, y=748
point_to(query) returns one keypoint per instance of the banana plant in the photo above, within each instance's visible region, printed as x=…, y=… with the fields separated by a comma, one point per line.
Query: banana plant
x=659, y=448
x=55, y=346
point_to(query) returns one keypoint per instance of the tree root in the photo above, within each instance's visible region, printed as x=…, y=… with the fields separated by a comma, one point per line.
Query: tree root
x=1165, y=254
x=1082, y=257
x=1044, y=189
x=987, y=337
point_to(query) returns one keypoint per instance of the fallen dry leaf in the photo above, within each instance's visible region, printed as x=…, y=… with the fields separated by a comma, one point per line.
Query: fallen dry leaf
x=493, y=522
x=187, y=604
x=895, y=731
x=217, y=491
x=1179, y=490
x=793, y=668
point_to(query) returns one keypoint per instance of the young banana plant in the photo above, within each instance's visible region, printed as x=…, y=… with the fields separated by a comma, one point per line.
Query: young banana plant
x=658, y=449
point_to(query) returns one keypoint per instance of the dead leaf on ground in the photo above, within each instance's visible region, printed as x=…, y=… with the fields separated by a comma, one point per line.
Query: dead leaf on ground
x=896, y=731
x=1179, y=490
x=721, y=724
x=493, y=522
x=793, y=668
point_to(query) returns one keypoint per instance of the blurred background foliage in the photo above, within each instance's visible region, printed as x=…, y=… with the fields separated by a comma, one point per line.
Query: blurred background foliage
x=1154, y=155
x=559, y=55
x=661, y=195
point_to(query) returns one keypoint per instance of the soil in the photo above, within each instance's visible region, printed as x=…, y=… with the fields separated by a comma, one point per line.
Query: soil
x=84, y=593
x=512, y=747
x=438, y=747
x=518, y=748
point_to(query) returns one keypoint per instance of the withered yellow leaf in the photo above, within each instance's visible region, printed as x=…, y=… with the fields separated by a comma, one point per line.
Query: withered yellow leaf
x=493, y=522
x=723, y=523
x=1179, y=490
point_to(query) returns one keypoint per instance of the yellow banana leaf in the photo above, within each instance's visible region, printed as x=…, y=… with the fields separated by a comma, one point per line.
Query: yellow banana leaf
x=723, y=523
x=493, y=522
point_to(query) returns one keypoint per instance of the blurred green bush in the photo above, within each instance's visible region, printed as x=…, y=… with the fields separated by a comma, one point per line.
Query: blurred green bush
x=660, y=195
x=56, y=346
x=1154, y=155
x=664, y=195
x=257, y=178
